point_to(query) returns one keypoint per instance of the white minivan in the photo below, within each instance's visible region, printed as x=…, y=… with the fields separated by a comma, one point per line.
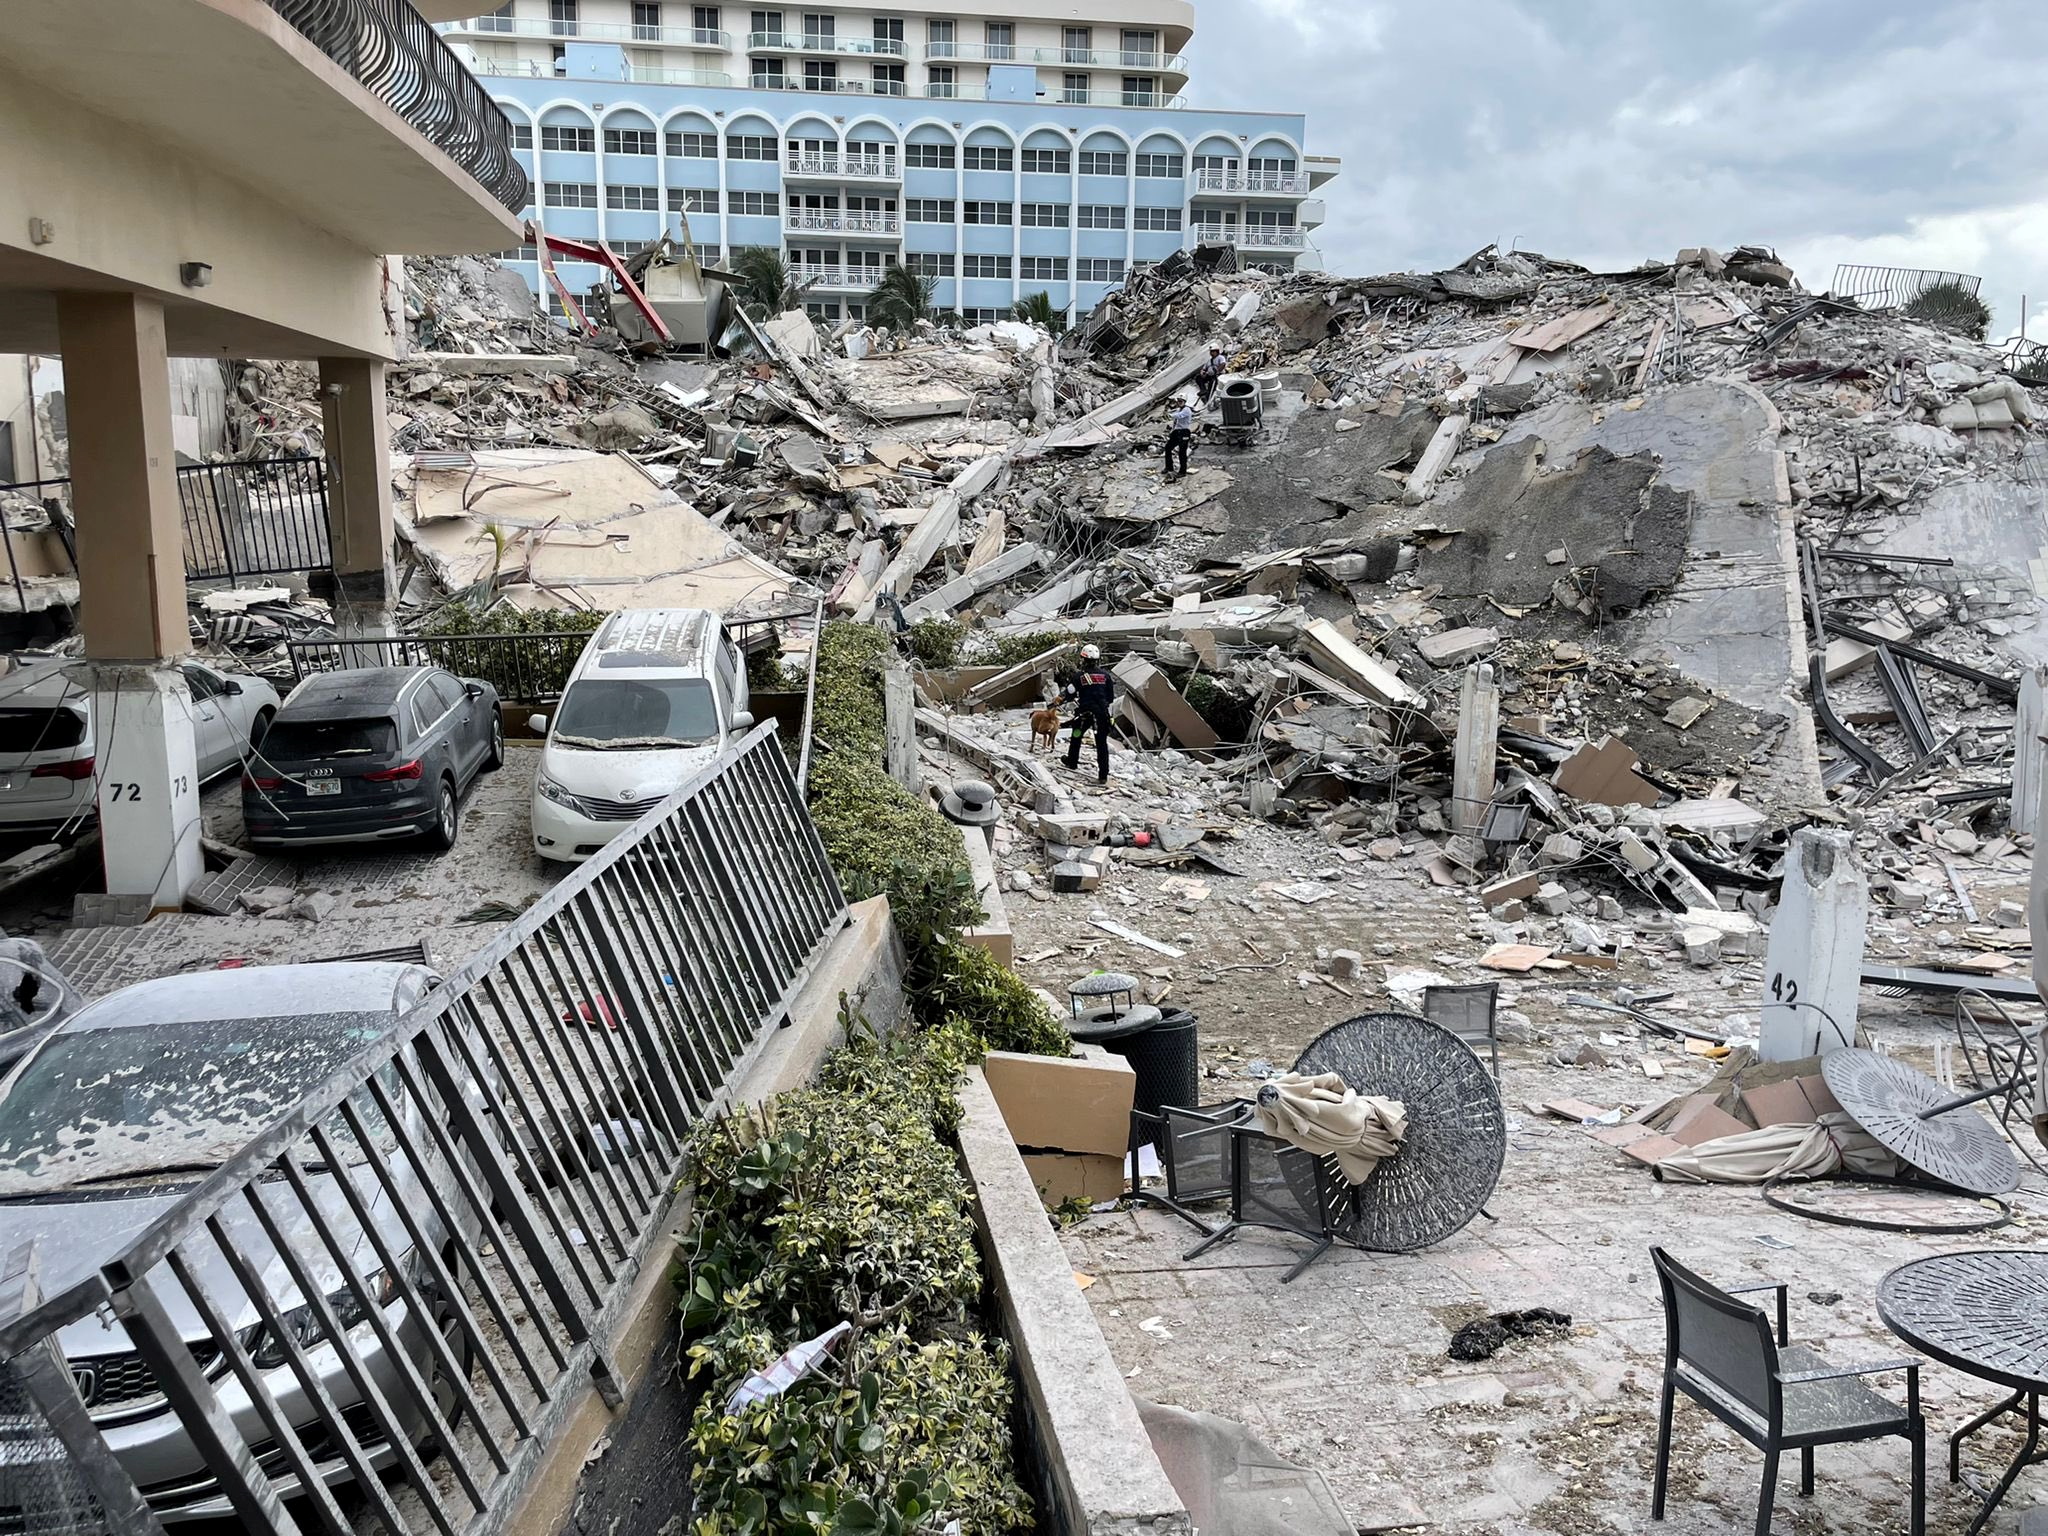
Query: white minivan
x=657, y=694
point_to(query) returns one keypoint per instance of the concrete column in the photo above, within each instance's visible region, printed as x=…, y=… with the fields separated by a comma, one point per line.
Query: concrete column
x=146, y=758
x=1814, y=969
x=1477, y=747
x=358, y=492
x=2029, y=755
x=131, y=579
x=124, y=488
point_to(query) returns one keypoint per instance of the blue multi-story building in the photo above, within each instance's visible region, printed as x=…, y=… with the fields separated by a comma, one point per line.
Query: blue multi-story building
x=1003, y=151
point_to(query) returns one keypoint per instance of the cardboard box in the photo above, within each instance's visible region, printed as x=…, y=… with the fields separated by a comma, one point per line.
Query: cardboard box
x=1701, y=1120
x=1078, y=1105
x=1063, y=1176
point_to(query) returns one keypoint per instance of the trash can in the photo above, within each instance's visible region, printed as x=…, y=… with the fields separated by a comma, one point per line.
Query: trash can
x=1162, y=1059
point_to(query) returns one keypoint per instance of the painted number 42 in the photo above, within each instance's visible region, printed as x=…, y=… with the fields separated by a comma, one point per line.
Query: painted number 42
x=1784, y=989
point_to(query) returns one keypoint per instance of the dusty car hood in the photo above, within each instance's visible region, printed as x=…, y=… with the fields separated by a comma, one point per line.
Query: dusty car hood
x=631, y=776
x=74, y=1238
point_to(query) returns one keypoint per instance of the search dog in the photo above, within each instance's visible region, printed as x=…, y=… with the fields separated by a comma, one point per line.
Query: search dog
x=1045, y=729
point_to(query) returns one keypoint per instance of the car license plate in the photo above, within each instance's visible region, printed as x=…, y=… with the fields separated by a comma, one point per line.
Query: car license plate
x=323, y=786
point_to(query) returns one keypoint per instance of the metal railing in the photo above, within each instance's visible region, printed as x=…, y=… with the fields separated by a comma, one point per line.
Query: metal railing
x=430, y=1252
x=396, y=55
x=263, y=517
x=837, y=279
x=603, y=31
x=815, y=42
x=1893, y=287
x=1253, y=182
x=1251, y=237
x=1152, y=99
x=806, y=221
x=855, y=167
x=524, y=668
x=1077, y=58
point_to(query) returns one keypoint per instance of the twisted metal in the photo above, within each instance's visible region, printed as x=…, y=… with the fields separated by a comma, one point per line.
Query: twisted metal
x=389, y=48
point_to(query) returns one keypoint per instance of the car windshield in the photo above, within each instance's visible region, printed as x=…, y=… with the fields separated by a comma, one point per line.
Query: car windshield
x=306, y=741
x=620, y=713
x=39, y=730
x=103, y=1105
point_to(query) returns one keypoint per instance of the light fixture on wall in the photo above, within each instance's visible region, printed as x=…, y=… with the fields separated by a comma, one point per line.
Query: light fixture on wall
x=195, y=274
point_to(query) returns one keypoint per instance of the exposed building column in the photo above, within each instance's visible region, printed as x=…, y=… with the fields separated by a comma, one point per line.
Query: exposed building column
x=1814, y=965
x=358, y=492
x=124, y=487
x=131, y=579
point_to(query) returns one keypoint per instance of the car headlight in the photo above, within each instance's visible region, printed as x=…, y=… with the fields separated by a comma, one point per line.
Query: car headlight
x=550, y=790
x=266, y=1349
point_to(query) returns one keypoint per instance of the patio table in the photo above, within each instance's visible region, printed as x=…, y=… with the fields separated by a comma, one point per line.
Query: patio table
x=1986, y=1314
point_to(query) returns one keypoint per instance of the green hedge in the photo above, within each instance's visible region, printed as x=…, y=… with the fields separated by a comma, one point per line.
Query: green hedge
x=843, y=1201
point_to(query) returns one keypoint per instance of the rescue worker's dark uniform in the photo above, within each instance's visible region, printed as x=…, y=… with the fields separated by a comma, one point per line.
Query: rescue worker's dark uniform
x=1094, y=690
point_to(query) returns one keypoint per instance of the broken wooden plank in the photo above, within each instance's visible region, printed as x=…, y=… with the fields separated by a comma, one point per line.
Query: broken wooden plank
x=1132, y=936
x=1650, y=350
x=1565, y=329
x=1345, y=661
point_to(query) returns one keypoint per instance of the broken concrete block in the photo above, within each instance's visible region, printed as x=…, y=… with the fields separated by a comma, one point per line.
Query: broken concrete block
x=1607, y=909
x=1640, y=856
x=1072, y=875
x=1345, y=964
x=1454, y=647
x=1960, y=417
x=1909, y=895
x=1686, y=712
x=1561, y=848
x=2010, y=914
x=1702, y=945
x=1553, y=898
x=1071, y=829
x=1958, y=840
x=1510, y=912
x=1514, y=888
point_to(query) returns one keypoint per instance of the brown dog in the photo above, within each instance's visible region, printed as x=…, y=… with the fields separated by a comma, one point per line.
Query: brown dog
x=1045, y=729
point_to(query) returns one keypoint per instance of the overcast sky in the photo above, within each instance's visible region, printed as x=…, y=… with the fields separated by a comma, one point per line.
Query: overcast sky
x=1607, y=131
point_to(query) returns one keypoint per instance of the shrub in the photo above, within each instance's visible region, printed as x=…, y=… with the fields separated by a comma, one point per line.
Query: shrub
x=528, y=670
x=1226, y=713
x=936, y=642
x=1011, y=650
x=842, y=1201
x=970, y=987
x=1951, y=306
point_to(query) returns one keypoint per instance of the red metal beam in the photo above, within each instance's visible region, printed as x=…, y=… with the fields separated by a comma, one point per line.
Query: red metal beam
x=600, y=254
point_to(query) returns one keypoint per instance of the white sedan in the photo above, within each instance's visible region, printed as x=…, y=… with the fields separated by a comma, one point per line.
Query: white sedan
x=46, y=737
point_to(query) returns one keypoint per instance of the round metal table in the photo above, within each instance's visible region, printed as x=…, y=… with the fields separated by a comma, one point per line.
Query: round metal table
x=1985, y=1314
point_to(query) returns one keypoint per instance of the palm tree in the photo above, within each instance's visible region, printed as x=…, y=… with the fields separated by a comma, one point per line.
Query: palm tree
x=768, y=285
x=901, y=299
x=1037, y=309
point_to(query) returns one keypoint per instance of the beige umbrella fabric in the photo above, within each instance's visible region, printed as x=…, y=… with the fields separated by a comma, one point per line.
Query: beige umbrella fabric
x=1321, y=1115
x=1782, y=1151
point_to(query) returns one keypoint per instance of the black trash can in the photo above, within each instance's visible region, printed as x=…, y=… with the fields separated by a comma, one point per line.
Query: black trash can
x=1162, y=1059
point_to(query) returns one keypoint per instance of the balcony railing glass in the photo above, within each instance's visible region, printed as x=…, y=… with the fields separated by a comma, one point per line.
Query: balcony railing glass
x=1072, y=58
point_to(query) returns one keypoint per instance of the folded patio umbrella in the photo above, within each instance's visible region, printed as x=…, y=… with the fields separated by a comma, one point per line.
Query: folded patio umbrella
x=1814, y=1151
x=1322, y=1116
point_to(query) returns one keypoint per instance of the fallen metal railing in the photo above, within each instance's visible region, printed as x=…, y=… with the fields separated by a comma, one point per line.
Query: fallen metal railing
x=1893, y=287
x=466, y=1203
x=524, y=668
x=254, y=517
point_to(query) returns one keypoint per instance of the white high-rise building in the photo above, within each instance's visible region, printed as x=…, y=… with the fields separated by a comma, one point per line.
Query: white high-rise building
x=1007, y=149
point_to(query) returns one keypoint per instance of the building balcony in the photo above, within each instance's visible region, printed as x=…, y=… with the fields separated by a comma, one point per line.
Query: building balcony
x=836, y=279
x=831, y=167
x=819, y=43
x=653, y=75
x=801, y=83
x=587, y=31
x=1310, y=213
x=1154, y=101
x=1322, y=168
x=1253, y=183
x=524, y=69
x=1248, y=237
x=1067, y=58
x=873, y=226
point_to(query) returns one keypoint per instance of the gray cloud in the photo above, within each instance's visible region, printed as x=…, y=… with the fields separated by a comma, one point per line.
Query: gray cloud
x=1607, y=131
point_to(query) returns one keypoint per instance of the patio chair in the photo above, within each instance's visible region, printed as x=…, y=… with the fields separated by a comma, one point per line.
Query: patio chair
x=1779, y=1396
x=1469, y=1012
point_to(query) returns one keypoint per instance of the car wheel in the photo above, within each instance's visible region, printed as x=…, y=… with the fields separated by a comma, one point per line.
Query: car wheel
x=495, y=758
x=442, y=836
x=259, y=726
x=441, y=1384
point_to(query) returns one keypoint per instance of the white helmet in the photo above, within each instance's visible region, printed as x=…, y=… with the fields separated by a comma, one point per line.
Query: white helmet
x=1091, y=653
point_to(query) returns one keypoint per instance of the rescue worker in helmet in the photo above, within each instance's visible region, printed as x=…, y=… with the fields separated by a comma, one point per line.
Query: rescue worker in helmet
x=1093, y=690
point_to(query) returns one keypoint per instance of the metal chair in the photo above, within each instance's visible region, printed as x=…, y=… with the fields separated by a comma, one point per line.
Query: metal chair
x=1779, y=1396
x=1469, y=1012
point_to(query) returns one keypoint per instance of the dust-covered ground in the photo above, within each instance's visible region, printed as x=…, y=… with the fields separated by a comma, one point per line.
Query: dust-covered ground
x=1345, y=1369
